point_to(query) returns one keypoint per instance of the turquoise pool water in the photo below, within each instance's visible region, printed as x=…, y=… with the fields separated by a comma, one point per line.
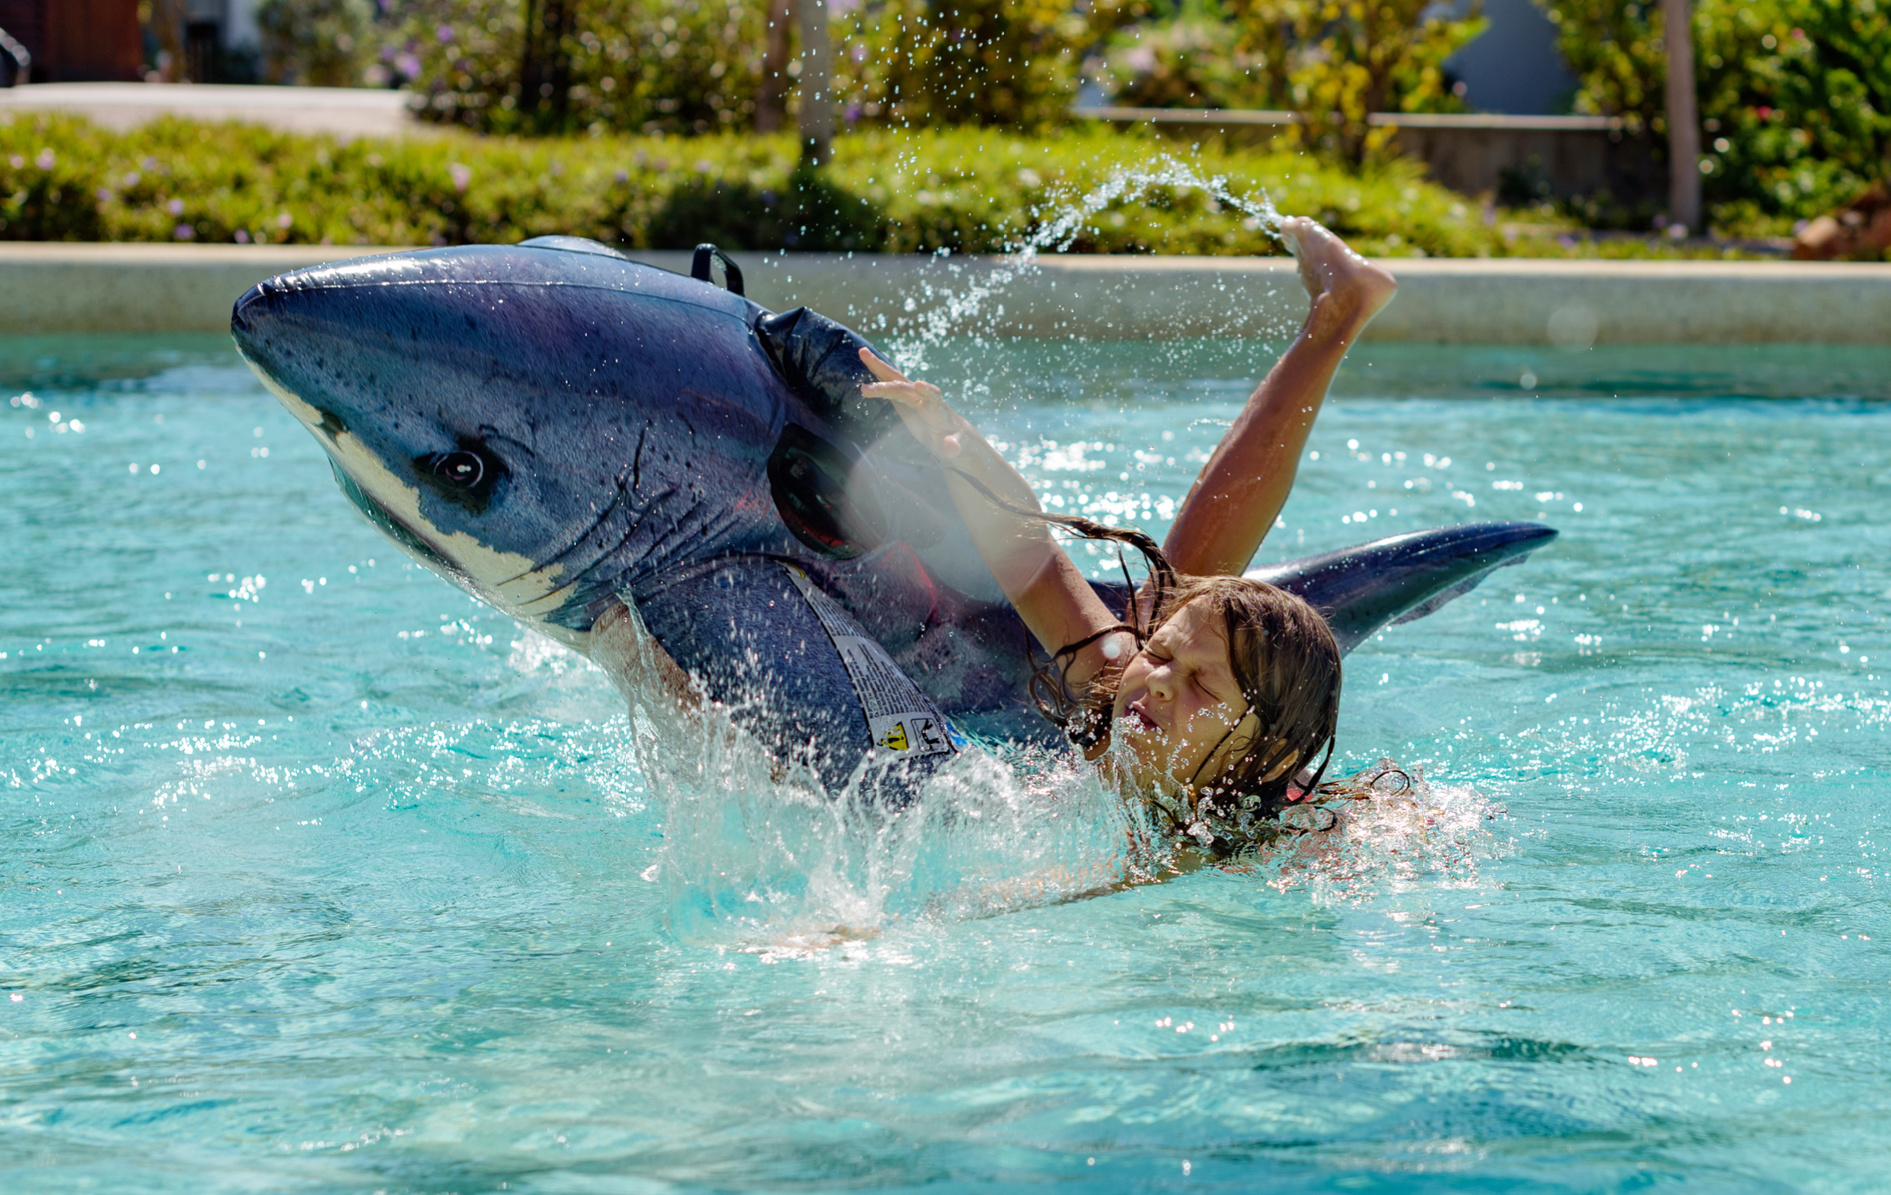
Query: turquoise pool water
x=322, y=877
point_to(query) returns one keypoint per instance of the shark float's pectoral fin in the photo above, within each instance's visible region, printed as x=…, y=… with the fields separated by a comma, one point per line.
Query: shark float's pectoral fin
x=1432, y=605
x=800, y=675
x=1364, y=588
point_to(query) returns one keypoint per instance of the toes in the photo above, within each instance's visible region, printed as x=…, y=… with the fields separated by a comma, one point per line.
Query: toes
x=1290, y=230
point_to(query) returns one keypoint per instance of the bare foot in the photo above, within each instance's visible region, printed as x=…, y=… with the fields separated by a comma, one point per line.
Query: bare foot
x=1347, y=290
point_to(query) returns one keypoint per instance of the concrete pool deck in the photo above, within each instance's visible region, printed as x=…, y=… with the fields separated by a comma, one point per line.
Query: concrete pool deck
x=56, y=288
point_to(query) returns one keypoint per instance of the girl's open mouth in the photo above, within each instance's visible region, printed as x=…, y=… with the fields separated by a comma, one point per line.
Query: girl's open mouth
x=1139, y=718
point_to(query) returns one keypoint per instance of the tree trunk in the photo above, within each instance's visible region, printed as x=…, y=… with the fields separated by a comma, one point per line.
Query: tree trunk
x=771, y=98
x=167, y=29
x=544, y=65
x=1684, y=130
x=817, y=73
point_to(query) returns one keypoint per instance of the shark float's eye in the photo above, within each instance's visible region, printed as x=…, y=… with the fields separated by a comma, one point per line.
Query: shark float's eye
x=466, y=476
x=462, y=470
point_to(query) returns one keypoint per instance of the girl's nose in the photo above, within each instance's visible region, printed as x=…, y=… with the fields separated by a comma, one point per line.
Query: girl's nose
x=1162, y=684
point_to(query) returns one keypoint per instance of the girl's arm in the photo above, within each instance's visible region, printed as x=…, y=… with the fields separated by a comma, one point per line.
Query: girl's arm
x=1244, y=485
x=1044, y=584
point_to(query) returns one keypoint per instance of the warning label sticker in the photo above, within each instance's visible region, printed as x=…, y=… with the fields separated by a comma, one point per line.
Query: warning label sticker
x=899, y=717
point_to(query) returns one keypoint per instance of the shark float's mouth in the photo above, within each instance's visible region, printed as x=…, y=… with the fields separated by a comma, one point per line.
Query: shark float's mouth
x=350, y=460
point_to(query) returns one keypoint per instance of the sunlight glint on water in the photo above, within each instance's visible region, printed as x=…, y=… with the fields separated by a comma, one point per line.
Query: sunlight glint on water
x=363, y=869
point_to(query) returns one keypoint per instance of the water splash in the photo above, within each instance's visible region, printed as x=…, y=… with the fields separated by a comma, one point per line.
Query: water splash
x=762, y=859
x=1396, y=832
x=761, y=856
x=969, y=305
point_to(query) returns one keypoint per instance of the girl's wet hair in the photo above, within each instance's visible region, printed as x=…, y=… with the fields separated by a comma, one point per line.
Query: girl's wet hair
x=1281, y=651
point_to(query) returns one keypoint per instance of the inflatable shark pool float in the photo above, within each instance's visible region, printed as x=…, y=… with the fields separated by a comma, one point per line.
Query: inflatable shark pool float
x=567, y=434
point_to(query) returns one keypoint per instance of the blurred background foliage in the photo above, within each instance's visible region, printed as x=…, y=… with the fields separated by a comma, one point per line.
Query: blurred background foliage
x=318, y=43
x=1795, y=95
x=696, y=66
x=984, y=62
x=964, y=189
x=1347, y=59
x=1333, y=61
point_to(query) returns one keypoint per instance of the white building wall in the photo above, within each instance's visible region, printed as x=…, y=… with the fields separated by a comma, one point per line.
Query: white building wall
x=239, y=24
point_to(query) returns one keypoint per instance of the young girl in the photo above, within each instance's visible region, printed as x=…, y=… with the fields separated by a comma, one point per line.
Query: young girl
x=1216, y=690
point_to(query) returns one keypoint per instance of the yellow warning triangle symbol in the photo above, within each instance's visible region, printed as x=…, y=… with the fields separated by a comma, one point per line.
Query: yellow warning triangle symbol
x=896, y=738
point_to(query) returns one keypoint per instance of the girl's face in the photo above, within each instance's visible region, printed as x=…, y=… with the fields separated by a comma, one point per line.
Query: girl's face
x=1178, y=702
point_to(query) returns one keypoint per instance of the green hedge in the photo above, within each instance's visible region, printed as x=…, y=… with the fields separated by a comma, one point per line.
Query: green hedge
x=965, y=190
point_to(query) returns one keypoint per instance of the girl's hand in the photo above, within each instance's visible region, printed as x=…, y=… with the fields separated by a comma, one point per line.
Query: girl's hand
x=921, y=405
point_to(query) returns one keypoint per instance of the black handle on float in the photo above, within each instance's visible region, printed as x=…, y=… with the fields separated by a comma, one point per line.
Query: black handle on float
x=699, y=267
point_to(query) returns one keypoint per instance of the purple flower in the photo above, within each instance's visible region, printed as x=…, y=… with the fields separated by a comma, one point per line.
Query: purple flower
x=445, y=34
x=408, y=65
x=185, y=232
x=45, y=160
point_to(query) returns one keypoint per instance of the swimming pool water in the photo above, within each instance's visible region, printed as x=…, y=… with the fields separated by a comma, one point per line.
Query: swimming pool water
x=323, y=877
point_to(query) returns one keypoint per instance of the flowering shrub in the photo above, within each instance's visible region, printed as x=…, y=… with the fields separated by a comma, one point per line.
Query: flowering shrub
x=1795, y=95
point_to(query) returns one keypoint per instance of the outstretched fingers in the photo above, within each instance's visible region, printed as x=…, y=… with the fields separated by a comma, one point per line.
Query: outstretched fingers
x=893, y=384
x=921, y=404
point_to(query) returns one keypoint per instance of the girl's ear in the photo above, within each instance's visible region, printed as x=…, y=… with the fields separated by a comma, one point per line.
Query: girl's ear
x=1241, y=740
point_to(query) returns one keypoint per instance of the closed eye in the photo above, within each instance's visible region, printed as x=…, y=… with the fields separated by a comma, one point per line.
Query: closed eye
x=1212, y=692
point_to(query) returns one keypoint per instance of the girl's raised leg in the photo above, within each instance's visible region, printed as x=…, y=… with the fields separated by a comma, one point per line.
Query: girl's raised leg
x=1245, y=483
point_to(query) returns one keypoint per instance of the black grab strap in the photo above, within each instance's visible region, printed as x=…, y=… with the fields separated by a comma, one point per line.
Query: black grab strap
x=699, y=267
